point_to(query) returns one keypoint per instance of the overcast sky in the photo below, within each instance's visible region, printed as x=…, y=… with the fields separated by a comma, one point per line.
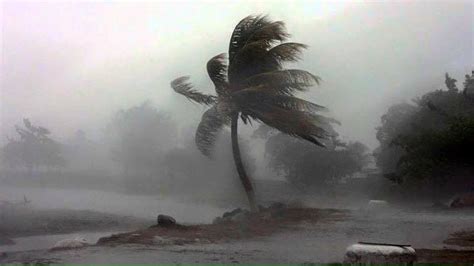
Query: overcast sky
x=69, y=65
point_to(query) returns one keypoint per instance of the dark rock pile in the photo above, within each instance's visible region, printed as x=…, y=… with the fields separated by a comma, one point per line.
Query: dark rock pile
x=240, y=215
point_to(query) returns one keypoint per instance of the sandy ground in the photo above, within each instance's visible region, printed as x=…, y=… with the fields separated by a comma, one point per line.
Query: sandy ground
x=314, y=242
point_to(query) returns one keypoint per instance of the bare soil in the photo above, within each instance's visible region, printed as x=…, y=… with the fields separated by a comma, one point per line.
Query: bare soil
x=462, y=239
x=263, y=223
x=450, y=256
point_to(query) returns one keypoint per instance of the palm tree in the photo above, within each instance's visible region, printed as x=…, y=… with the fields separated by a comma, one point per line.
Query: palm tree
x=255, y=85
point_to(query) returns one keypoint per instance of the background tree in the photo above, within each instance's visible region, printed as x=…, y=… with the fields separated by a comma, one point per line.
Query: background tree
x=397, y=121
x=33, y=149
x=254, y=85
x=308, y=166
x=138, y=137
x=434, y=140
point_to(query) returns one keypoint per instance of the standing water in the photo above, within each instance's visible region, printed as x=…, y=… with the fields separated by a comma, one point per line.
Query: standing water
x=115, y=203
x=139, y=206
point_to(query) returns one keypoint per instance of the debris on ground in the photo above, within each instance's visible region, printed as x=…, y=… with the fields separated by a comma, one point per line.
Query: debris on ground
x=461, y=238
x=449, y=256
x=236, y=224
x=462, y=201
x=380, y=253
x=78, y=242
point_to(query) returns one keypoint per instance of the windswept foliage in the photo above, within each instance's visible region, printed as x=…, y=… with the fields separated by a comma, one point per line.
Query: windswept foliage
x=437, y=154
x=255, y=85
x=33, y=149
x=182, y=86
x=430, y=141
x=307, y=166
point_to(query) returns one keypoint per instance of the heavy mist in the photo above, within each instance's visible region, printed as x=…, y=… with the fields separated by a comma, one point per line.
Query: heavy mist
x=94, y=136
x=69, y=66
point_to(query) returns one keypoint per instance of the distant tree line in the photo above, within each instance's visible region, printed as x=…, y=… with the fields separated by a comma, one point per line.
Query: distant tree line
x=32, y=149
x=424, y=144
x=141, y=144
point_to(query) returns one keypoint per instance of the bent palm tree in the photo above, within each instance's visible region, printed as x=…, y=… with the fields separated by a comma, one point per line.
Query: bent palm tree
x=254, y=85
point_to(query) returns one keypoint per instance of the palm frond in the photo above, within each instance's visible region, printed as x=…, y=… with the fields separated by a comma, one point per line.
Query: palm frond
x=242, y=32
x=291, y=122
x=183, y=87
x=294, y=103
x=283, y=81
x=271, y=32
x=255, y=28
x=260, y=95
x=211, y=124
x=248, y=62
x=324, y=120
x=217, y=70
x=285, y=52
x=255, y=58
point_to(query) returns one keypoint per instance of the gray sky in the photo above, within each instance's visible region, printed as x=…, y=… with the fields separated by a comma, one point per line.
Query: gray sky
x=69, y=65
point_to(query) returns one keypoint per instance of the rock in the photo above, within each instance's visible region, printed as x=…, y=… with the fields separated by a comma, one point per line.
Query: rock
x=77, y=242
x=231, y=213
x=462, y=201
x=380, y=254
x=236, y=215
x=165, y=220
x=107, y=239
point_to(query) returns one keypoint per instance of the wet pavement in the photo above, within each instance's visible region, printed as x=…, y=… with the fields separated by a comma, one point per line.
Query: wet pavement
x=321, y=242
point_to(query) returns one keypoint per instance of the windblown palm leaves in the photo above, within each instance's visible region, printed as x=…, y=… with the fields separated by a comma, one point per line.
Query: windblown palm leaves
x=256, y=85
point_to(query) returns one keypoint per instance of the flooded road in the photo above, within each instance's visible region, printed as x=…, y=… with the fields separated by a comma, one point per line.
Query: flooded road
x=324, y=242
x=41, y=242
x=144, y=207
x=111, y=202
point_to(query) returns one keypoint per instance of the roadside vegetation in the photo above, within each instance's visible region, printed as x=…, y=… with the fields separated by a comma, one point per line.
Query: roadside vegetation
x=426, y=145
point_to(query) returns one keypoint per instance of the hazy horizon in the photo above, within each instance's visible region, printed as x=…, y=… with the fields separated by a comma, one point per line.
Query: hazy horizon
x=69, y=66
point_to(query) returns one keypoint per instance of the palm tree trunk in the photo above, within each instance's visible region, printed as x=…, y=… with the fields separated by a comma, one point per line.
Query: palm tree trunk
x=244, y=178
